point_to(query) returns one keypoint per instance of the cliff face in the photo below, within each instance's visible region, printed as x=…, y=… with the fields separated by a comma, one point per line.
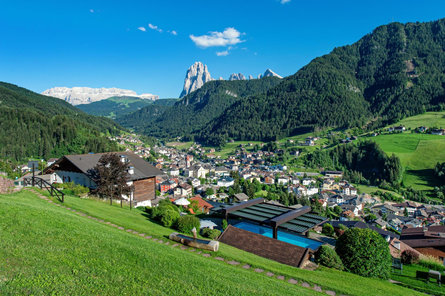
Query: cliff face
x=197, y=75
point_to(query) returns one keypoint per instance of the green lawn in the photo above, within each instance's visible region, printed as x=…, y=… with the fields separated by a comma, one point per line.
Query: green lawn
x=408, y=277
x=372, y=189
x=230, y=148
x=180, y=145
x=418, y=153
x=428, y=119
x=47, y=250
x=341, y=282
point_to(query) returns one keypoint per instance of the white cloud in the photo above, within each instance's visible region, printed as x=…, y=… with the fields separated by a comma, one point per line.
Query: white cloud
x=174, y=32
x=222, y=53
x=156, y=28
x=284, y=1
x=142, y=29
x=92, y=10
x=230, y=36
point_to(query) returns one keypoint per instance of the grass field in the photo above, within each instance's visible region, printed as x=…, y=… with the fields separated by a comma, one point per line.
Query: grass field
x=19, y=211
x=428, y=119
x=230, y=148
x=180, y=145
x=372, y=189
x=47, y=250
x=408, y=277
x=418, y=153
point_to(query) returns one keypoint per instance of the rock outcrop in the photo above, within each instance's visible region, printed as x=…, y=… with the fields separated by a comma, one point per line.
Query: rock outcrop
x=86, y=95
x=196, y=76
x=270, y=73
x=238, y=76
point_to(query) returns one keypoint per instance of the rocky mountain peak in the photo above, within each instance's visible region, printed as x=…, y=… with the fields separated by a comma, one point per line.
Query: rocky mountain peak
x=238, y=76
x=197, y=75
x=270, y=73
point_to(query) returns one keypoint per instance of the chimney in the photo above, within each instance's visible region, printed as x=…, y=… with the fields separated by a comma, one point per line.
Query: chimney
x=396, y=244
x=131, y=170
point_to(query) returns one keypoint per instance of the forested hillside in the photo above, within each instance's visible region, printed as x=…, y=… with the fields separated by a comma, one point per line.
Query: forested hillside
x=139, y=119
x=398, y=70
x=196, y=109
x=115, y=106
x=33, y=125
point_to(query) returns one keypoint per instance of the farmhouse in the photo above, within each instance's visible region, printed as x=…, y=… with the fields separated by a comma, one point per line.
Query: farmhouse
x=79, y=168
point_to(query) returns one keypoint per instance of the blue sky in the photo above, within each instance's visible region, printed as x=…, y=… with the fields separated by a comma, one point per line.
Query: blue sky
x=147, y=46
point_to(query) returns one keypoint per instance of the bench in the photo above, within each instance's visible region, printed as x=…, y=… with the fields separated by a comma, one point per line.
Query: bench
x=422, y=275
x=434, y=274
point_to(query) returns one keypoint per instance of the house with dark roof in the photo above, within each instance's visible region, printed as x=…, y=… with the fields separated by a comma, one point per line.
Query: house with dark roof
x=79, y=168
x=427, y=240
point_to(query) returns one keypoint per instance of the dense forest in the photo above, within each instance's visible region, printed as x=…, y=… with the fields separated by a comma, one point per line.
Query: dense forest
x=197, y=109
x=139, y=119
x=396, y=71
x=115, y=106
x=33, y=125
x=363, y=162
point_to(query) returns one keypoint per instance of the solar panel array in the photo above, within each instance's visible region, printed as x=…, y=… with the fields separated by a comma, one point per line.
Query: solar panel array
x=263, y=212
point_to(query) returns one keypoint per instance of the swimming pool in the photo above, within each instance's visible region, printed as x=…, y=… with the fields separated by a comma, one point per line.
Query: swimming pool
x=282, y=235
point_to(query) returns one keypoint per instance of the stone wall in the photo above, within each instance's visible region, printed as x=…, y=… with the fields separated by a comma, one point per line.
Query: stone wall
x=6, y=185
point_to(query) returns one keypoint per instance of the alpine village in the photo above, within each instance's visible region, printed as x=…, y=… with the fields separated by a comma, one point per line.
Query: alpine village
x=329, y=180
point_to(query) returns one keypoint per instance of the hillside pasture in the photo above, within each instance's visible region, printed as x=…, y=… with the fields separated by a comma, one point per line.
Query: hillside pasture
x=418, y=154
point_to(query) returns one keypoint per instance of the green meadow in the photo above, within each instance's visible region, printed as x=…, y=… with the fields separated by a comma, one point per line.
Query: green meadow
x=50, y=250
x=418, y=153
x=428, y=119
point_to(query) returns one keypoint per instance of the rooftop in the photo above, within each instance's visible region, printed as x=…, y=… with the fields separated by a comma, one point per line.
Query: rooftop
x=297, y=220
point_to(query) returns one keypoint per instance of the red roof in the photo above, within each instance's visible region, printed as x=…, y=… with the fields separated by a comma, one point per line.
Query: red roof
x=202, y=204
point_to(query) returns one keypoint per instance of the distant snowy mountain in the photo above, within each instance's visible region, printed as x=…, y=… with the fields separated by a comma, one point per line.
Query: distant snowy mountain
x=86, y=95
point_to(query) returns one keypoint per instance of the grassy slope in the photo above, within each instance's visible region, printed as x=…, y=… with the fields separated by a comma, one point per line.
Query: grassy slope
x=428, y=119
x=408, y=277
x=48, y=250
x=418, y=153
x=330, y=279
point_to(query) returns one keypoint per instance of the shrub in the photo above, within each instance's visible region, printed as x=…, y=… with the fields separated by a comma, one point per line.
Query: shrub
x=364, y=252
x=342, y=227
x=169, y=217
x=71, y=188
x=409, y=257
x=162, y=210
x=431, y=263
x=185, y=224
x=327, y=229
x=224, y=224
x=326, y=256
x=211, y=233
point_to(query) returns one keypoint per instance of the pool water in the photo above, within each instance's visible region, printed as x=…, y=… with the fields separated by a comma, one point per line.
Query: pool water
x=282, y=235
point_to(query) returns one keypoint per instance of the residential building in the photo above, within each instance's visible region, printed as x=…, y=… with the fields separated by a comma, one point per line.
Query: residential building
x=79, y=169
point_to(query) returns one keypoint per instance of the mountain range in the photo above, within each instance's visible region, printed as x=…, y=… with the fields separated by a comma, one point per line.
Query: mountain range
x=398, y=70
x=195, y=110
x=115, y=106
x=86, y=95
x=198, y=74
